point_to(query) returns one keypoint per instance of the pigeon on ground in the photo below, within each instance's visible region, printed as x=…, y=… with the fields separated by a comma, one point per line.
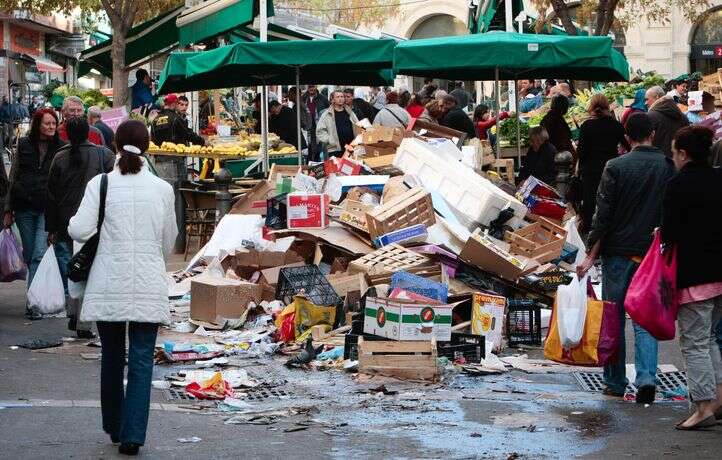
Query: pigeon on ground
x=306, y=355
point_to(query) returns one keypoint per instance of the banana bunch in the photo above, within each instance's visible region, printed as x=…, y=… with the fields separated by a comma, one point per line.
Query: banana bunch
x=283, y=151
x=583, y=96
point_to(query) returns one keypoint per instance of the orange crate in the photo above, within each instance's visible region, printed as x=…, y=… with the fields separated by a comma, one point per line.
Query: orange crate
x=388, y=259
x=411, y=208
x=542, y=240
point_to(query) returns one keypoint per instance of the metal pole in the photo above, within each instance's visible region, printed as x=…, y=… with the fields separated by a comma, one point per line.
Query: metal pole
x=298, y=114
x=509, y=22
x=498, y=111
x=263, y=15
x=518, y=127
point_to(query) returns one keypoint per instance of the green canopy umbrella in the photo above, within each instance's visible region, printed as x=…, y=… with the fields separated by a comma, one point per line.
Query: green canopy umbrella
x=511, y=56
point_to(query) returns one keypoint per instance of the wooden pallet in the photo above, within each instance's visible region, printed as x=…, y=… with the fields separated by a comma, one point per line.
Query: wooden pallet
x=542, y=240
x=400, y=359
x=411, y=208
x=505, y=169
x=433, y=272
x=388, y=259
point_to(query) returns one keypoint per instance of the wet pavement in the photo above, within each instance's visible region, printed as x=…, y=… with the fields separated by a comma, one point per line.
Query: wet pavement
x=330, y=414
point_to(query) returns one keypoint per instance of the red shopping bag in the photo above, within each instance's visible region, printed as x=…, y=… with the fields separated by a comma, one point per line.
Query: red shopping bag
x=652, y=295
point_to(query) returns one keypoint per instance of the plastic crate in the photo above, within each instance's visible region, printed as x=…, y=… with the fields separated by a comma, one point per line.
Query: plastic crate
x=468, y=346
x=276, y=212
x=309, y=280
x=523, y=323
x=426, y=287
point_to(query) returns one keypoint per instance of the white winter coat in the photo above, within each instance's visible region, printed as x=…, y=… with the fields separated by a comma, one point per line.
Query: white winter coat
x=127, y=281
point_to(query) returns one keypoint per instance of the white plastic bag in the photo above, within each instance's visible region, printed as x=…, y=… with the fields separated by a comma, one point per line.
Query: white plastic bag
x=46, y=292
x=576, y=240
x=572, y=311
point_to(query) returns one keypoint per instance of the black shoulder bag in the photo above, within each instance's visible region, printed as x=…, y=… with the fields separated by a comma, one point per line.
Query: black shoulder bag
x=80, y=264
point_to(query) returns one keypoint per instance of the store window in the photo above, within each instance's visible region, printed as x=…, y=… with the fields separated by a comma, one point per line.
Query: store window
x=706, y=49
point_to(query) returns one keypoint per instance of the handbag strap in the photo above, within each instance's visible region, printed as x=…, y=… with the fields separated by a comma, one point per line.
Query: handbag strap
x=395, y=116
x=103, y=193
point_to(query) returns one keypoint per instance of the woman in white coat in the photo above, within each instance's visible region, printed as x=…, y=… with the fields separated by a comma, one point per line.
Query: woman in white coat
x=127, y=281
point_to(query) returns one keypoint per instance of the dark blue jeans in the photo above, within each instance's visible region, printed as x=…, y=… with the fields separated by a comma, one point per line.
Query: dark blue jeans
x=64, y=252
x=125, y=413
x=31, y=226
x=617, y=273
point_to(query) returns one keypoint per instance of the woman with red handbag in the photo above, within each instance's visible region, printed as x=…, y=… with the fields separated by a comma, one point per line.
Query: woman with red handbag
x=692, y=221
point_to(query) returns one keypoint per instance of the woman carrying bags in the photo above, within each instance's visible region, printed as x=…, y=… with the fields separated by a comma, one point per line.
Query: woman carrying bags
x=25, y=204
x=127, y=280
x=692, y=221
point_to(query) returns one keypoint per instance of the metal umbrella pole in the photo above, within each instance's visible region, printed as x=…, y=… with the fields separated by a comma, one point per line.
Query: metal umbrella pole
x=498, y=112
x=298, y=114
x=264, y=127
x=518, y=125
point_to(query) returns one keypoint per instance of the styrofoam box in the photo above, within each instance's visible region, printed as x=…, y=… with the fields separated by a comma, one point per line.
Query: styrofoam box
x=465, y=190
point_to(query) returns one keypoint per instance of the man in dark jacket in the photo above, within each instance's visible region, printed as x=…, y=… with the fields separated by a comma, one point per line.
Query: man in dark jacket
x=168, y=126
x=455, y=118
x=283, y=122
x=539, y=159
x=316, y=104
x=461, y=95
x=629, y=208
x=666, y=118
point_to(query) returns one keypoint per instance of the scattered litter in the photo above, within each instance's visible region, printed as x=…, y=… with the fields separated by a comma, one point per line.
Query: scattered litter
x=14, y=347
x=39, y=344
x=192, y=440
x=91, y=356
x=233, y=405
x=577, y=413
x=161, y=384
x=295, y=428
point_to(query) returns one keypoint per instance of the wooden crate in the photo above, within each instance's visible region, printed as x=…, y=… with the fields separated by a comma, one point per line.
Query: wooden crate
x=432, y=272
x=353, y=213
x=542, y=240
x=411, y=208
x=399, y=359
x=505, y=169
x=388, y=259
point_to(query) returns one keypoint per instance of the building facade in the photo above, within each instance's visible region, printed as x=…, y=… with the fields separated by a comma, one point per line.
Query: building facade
x=672, y=48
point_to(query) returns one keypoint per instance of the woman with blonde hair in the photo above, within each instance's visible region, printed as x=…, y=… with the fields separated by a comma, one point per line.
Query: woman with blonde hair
x=599, y=140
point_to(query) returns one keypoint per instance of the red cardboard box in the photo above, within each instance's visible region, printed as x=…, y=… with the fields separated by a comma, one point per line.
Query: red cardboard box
x=307, y=210
x=349, y=168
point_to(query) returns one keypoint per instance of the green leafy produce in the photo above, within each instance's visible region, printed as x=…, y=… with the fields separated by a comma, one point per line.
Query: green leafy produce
x=89, y=96
x=507, y=131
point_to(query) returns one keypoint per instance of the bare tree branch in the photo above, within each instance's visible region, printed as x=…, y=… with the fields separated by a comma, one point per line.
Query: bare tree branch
x=562, y=11
x=609, y=17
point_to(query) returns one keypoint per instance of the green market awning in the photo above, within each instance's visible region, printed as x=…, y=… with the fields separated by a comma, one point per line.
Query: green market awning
x=212, y=18
x=275, y=33
x=350, y=62
x=484, y=17
x=173, y=77
x=143, y=43
x=517, y=56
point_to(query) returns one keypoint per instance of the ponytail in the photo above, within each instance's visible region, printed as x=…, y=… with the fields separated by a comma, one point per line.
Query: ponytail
x=77, y=129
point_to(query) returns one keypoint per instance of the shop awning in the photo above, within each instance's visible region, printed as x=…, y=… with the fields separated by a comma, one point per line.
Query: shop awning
x=143, y=43
x=484, y=17
x=517, y=56
x=173, y=77
x=46, y=65
x=350, y=62
x=216, y=17
x=275, y=33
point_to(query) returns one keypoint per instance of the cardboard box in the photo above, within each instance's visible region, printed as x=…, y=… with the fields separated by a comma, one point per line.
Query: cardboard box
x=254, y=201
x=487, y=317
x=212, y=298
x=430, y=129
x=483, y=252
x=410, y=234
x=383, y=136
x=348, y=167
x=378, y=151
x=307, y=210
x=404, y=320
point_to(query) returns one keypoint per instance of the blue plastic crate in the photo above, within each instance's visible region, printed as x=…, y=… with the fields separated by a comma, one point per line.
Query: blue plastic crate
x=423, y=286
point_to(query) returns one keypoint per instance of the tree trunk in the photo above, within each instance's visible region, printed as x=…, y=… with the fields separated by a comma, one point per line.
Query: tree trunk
x=120, y=72
x=562, y=11
x=601, y=15
x=608, y=17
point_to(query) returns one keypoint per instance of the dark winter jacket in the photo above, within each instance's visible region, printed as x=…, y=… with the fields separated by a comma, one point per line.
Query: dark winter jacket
x=284, y=125
x=559, y=133
x=629, y=202
x=29, y=176
x=667, y=120
x=457, y=119
x=692, y=221
x=168, y=126
x=67, y=180
x=539, y=164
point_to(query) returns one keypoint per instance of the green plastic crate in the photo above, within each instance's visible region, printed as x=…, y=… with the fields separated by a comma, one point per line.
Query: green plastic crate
x=238, y=167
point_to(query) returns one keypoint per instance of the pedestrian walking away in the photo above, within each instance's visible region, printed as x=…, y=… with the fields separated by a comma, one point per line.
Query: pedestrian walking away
x=629, y=208
x=599, y=140
x=127, y=281
x=74, y=166
x=666, y=118
x=25, y=204
x=690, y=195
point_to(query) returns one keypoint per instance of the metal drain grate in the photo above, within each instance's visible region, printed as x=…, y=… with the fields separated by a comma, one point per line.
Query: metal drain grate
x=667, y=381
x=261, y=393
x=178, y=394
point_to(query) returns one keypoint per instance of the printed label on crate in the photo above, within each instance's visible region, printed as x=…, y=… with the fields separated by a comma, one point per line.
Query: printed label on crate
x=349, y=168
x=354, y=220
x=400, y=320
x=298, y=212
x=408, y=234
x=487, y=317
x=489, y=244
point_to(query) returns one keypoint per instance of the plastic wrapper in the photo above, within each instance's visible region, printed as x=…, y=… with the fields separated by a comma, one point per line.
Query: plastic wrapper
x=12, y=266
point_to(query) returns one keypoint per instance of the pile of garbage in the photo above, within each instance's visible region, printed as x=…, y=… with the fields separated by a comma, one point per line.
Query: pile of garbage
x=397, y=257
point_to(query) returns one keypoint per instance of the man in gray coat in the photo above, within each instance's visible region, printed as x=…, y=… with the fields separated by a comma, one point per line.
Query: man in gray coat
x=666, y=118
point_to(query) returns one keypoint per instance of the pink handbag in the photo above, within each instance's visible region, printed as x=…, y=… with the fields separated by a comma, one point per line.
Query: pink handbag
x=652, y=295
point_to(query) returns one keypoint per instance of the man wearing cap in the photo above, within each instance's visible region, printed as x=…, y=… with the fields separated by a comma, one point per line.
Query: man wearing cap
x=168, y=126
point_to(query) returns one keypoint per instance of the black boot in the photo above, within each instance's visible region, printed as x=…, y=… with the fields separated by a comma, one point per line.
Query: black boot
x=128, y=448
x=33, y=314
x=84, y=334
x=72, y=323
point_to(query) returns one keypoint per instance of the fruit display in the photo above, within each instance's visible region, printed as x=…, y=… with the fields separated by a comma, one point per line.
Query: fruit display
x=235, y=149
